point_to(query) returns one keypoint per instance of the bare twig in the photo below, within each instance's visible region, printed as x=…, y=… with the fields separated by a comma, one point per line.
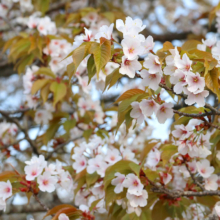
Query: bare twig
x=15, y=121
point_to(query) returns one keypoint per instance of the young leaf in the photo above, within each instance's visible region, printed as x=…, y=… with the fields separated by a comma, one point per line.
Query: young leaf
x=59, y=91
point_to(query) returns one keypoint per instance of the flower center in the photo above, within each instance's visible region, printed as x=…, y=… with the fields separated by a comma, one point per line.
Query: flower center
x=45, y=182
x=131, y=50
x=7, y=190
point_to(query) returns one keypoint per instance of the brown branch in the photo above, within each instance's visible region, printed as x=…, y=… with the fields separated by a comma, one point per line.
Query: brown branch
x=193, y=178
x=8, y=145
x=15, y=121
x=61, y=146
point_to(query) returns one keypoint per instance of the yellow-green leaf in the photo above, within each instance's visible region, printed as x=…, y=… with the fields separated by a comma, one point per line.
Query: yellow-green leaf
x=39, y=84
x=59, y=91
x=128, y=94
x=102, y=54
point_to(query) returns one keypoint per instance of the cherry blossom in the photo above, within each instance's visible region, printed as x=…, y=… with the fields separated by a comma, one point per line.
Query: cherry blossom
x=5, y=190
x=97, y=165
x=217, y=208
x=113, y=156
x=136, y=200
x=179, y=81
x=184, y=63
x=151, y=80
x=164, y=112
x=2, y=204
x=204, y=168
x=153, y=158
x=63, y=216
x=152, y=63
x=133, y=184
x=211, y=182
x=166, y=177
x=148, y=44
x=148, y=107
x=136, y=112
x=197, y=97
x=118, y=182
x=131, y=48
x=47, y=182
x=32, y=171
x=195, y=82
x=129, y=67
x=105, y=32
x=129, y=24
x=79, y=164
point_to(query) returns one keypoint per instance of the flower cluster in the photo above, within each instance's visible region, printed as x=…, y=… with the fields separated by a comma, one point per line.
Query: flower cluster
x=49, y=177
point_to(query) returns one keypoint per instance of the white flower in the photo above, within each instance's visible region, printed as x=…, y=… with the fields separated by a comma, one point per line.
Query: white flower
x=179, y=81
x=40, y=161
x=63, y=216
x=2, y=204
x=97, y=165
x=196, y=97
x=166, y=177
x=171, y=59
x=152, y=63
x=5, y=190
x=182, y=132
x=131, y=209
x=134, y=185
x=148, y=107
x=204, y=168
x=195, y=82
x=80, y=163
x=105, y=32
x=118, y=182
x=42, y=116
x=113, y=156
x=150, y=80
x=164, y=112
x=211, y=182
x=46, y=26
x=153, y=158
x=131, y=47
x=47, y=182
x=129, y=67
x=209, y=42
x=217, y=208
x=140, y=200
x=32, y=171
x=136, y=112
x=129, y=24
x=184, y=63
x=148, y=44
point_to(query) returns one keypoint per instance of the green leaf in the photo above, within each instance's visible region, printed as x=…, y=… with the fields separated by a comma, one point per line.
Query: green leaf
x=59, y=91
x=87, y=134
x=39, y=84
x=128, y=94
x=211, y=80
x=56, y=209
x=93, y=205
x=43, y=5
x=91, y=68
x=159, y=211
x=168, y=151
x=91, y=178
x=69, y=124
x=190, y=45
x=102, y=54
x=112, y=78
x=78, y=55
x=45, y=71
x=135, y=168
